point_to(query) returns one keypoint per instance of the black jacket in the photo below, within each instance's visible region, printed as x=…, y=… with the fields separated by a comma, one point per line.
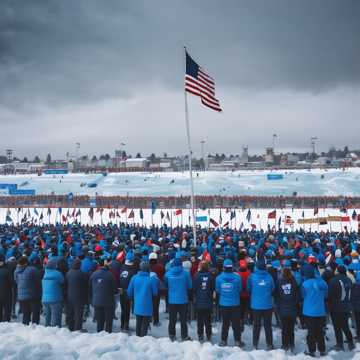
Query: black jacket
x=127, y=272
x=6, y=283
x=287, y=297
x=103, y=288
x=77, y=287
x=203, y=289
x=339, y=293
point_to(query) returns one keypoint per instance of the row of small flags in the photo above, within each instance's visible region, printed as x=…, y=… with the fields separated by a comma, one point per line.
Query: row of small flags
x=179, y=212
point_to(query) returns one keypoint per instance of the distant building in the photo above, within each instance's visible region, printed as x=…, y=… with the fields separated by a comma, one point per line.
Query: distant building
x=244, y=158
x=137, y=163
x=269, y=155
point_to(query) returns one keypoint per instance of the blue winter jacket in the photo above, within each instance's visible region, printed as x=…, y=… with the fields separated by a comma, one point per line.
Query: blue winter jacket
x=203, y=289
x=52, y=284
x=228, y=286
x=178, y=282
x=28, y=280
x=88, y=265
x=142, y=289
x=314, y=292
x=261, y=287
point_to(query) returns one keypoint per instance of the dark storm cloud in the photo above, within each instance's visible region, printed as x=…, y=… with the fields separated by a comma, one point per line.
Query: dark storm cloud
x=57, y=54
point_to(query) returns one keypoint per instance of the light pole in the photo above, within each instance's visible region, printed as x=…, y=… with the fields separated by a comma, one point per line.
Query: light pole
x=273, y=142
x=313, y=144
x=202, y=142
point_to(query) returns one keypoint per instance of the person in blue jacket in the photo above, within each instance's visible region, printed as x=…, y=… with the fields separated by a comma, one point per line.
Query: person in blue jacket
x=261, y=288
x=203, y=290
x=287, y=299
x=314, y=292
x=52, y=296
x=142, y=289
x=178, y=283
x=228, y=288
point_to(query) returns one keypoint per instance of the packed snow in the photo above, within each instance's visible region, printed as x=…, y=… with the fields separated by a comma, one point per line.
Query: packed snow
x=316, y=182
x=38, y=342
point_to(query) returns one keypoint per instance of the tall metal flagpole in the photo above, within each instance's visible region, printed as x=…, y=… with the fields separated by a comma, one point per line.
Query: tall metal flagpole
x=192, y=201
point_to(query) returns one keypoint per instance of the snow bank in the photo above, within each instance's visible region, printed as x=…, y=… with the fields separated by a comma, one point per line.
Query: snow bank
x=37, y=342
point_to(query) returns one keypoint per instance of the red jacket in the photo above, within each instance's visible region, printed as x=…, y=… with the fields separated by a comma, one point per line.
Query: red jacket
x=244, y=277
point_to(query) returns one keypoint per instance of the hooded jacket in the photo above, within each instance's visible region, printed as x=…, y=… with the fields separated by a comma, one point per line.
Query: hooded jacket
x=287, y=297
x=52, y=284
x=261, y=287
x=228, y=287
x=103, y=288
x=28, y=280
x=314, y=292
x=178, y=282
x=339, y=294
x=142, y=289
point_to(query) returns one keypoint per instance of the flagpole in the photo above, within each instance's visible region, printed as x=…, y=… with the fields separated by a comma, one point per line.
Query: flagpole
x=190, y=159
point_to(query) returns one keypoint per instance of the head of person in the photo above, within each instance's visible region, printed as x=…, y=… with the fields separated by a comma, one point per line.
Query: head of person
x=286, y=274
x=204, y=266
x=261, y=265
x=308, y=272
x=228, y=265
x=153, y=258
x=341, y=269
x=23, y=261
x=144, y=266
x=76, y=265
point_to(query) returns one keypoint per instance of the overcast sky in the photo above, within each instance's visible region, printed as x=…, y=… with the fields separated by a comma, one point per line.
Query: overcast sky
x=105, y=72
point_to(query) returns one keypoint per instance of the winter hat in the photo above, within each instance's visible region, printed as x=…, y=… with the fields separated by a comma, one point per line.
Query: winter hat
x=153, y=256
x=228, y=263
x=338, y=253
x=52, y=263
x=144, y=266
x=260, y=265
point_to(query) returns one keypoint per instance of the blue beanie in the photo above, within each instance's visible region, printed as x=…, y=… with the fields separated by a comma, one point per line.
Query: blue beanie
x=177, y=262
x=228, y=263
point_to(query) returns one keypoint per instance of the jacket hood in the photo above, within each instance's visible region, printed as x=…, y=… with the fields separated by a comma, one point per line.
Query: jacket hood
x=176, y=270
x=228, y=276
x=309, y=272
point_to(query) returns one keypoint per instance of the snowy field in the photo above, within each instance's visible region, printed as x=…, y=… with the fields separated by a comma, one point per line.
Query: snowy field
x=315, y=182
x=259, y=218
x=18, y=342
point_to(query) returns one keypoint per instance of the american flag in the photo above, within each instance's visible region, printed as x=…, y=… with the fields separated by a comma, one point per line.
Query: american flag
x=199, y=83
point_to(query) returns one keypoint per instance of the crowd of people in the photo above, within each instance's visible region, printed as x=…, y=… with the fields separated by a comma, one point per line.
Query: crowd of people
x=242, y=278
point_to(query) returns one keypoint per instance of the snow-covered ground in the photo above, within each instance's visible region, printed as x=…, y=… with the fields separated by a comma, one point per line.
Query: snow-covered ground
x=304, y=182
x=37, y=342
x=259, y=217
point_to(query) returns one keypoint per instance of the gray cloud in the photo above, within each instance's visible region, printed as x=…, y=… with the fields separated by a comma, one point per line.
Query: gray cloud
x=66, y=59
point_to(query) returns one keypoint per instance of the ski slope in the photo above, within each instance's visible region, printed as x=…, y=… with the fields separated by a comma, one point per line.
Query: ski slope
x=316, y=182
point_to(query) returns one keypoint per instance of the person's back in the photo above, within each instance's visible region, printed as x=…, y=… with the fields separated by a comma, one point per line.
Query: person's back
x=5, y=290
x=287, y=297
x=126, y=273
x=261, y=286
x=103, y=287
x=178, y=283
x=52, y=284
x=142, y=289
x=314, y=292
x=339, y=293
x=228, y=286
x=28, y=280
x=77, y=286
x=203, y=288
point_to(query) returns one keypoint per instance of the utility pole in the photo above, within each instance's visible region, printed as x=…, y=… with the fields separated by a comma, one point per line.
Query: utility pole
x=9, y=154
x=202, y=142
x=313, y=144
x=274, y=137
